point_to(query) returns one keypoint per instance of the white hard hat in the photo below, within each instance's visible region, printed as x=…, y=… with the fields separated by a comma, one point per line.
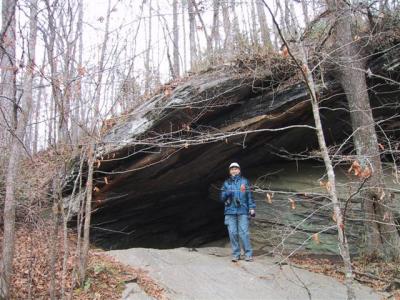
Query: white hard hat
x=234, y=165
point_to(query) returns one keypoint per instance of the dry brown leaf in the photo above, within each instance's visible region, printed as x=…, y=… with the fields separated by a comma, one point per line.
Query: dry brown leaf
x=382, y=196
x=292, y=203
x=315, y=237
x=334, y=217
x=168, y=91
x=386, y=216
x=326, y=184
x=355, y=166
x=269, y=198
x=366, y=172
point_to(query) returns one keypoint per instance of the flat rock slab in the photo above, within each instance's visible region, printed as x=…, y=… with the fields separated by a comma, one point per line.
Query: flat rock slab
x=208, y=273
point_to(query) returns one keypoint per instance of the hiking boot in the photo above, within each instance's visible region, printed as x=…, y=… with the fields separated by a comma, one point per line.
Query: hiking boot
x=248, y=258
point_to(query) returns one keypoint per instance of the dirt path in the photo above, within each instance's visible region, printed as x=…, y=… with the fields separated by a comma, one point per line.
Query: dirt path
x=208, y=273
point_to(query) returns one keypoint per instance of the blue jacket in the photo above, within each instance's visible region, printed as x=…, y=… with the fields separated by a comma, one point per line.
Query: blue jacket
x=237, y=188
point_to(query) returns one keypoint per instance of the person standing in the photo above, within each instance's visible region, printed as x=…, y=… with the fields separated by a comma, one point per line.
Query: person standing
x=239, y=203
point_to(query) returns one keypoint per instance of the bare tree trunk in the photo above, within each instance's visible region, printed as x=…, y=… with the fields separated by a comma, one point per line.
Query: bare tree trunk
x=80, y=109
x=101, y=66
x=265, y=31
x=19, y=123
x=35, y=133
x=65, y=218
x=38, y=109
x=343, y=245
x=305, y=11
x=192, y=35
x=235, y=23
x=276, y=34
x=288, y=24
x=254, y=35
x=382, y=237
x=51, y=116
x=282, y=20
x=246, y=36
x=31, y=63
x=148, y=52
x=227, y=26
x=76, y=70
x=8, y=94
x=176, y=38
x=215, y=30
x=203, y=25
x=184, y=37
x=66, y=52
x=54, y=238
x=88, y=212
x=49, y=40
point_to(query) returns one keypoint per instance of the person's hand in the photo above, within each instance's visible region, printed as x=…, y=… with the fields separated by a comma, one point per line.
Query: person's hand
x=252, y=213
x=227, y=202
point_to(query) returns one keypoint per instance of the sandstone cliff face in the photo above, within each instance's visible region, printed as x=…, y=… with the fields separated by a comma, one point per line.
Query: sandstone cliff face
x=161, y=165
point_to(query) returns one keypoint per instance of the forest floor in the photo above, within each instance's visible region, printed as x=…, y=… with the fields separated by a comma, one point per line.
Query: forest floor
x=380, y=276
x=106, y=277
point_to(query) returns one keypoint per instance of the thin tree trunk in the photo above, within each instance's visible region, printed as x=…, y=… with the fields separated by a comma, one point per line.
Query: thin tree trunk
x=265, y=31
x=148, y=52
x=288, y=24
x=65, y=218
x=54, y=238
x=81, y=106
x=254, y=36
x=101, y=67
x=215, y=30
x=227, y=26
x=276, y=34
x=184, y=37
x=343, y=245
x=88, y=212
x=70, y=71
x=66, y=50
x=192, y=35
x=207, y=37
x=176, y=39
x=49, y=40
x=304, y=5
x=31, y=63
x=38, y=108
x=8, y=94
x=235, y=22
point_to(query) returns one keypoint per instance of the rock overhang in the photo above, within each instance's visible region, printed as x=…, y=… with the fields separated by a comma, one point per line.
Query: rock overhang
x=156, y=165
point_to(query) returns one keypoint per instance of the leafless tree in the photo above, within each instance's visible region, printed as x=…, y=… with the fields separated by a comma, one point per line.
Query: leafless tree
x=265, y=31
x=176, y=38
x=8, y=94
x=192, y=33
